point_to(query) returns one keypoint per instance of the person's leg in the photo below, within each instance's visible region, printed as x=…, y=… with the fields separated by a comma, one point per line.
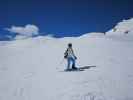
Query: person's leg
x=73, y=64
x=68, y=63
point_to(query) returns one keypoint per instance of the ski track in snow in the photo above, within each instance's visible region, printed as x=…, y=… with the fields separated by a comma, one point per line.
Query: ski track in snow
x=31, y=69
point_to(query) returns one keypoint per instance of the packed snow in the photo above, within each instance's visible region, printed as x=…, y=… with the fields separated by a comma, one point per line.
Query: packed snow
x=33, y=68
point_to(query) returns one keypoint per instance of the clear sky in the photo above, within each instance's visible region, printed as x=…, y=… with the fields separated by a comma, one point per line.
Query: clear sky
x=64, y=17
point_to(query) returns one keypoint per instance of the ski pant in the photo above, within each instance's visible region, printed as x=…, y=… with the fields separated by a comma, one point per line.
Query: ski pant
x=71, y=62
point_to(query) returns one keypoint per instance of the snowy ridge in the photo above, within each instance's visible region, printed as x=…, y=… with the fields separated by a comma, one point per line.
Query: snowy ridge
x=33, y=69
x=124, y=27
x=92, y=35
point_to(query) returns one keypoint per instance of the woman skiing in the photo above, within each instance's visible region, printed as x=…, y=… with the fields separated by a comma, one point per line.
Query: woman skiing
x=70, y=56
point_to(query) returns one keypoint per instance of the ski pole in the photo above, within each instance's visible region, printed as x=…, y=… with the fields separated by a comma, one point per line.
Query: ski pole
x=62, y=61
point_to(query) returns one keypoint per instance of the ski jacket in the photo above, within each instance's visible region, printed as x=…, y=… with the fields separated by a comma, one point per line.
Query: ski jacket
x=69, y=52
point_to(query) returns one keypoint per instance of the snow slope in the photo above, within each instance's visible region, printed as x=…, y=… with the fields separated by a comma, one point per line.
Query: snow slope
x=126, y=26
x=32, y=69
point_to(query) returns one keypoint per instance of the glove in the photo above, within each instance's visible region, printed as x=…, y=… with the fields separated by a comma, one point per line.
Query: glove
x=75, y=57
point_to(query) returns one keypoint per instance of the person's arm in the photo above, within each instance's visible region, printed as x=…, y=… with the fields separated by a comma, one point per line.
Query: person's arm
x=66, y=53
x=74, y=54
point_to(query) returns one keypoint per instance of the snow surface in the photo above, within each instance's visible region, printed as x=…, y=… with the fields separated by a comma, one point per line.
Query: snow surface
x=123, y=27
x=32, y=69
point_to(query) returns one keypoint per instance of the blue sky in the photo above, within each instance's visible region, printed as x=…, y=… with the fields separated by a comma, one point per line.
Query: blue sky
x=64, y=17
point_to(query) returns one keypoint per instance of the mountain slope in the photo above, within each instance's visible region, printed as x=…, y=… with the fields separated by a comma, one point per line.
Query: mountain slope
x=33, y=68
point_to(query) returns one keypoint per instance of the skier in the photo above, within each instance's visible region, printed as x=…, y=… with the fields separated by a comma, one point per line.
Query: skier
x=71, y=58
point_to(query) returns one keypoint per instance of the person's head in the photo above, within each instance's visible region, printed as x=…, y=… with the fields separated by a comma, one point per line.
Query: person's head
x=69, y=45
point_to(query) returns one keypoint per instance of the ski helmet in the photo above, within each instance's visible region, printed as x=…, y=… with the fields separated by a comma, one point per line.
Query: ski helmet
x=69, y=44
